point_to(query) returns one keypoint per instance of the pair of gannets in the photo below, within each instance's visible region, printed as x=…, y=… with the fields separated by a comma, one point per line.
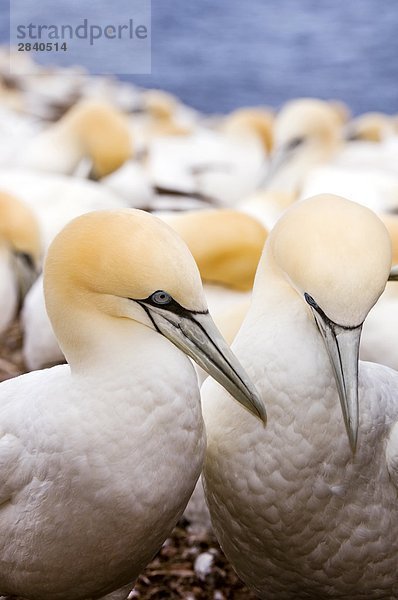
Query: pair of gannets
x=299, y=511
x=20, y=254
x=99, y=457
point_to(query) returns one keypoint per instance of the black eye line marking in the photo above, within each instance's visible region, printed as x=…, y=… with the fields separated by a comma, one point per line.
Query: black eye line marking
x=150, y=317
x=26, y=258
x=294, y=143
x=171, y=306
x=310, y=300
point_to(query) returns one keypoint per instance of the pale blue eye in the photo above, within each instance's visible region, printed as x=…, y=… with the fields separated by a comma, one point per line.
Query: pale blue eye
x=161, y=297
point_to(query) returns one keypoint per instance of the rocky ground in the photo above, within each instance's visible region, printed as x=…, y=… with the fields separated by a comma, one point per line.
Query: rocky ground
x=190, y=566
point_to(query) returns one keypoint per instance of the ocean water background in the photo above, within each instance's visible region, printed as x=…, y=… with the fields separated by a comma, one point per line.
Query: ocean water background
x=218, y=55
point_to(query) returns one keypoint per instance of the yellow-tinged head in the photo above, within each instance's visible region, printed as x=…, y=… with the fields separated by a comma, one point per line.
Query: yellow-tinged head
x=336, y=254
x=161, y=108
x=370, y=127
x=160, y=104
x=19, y=228
x=307, y=132
x=335, y=250
x=109, y=270
x=255, y=120
x=102, y=132
x=308, y=120
x=226, y=245
x=125, y=254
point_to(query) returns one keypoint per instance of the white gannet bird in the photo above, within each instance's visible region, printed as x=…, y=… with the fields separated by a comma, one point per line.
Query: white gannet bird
x=307, y=132
x=20, y=252
x=298, y=512
x=370, y=127
x=90, y=129
x=99, y=457
x=251, y=121
x=219, y=166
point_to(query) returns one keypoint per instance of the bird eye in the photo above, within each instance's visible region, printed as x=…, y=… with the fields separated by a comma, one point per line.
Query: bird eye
x=161, y=297
x=310, y=300
x=295, y=142
x=26, y=259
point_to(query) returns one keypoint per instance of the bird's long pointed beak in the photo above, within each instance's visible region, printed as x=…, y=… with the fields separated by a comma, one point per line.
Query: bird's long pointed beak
x=26, y=273
x=197, y=336
x=393, y=273
x=279, y=158
x=342, y=345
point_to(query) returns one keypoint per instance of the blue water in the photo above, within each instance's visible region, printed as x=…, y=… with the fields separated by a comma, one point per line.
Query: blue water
x=217, y=55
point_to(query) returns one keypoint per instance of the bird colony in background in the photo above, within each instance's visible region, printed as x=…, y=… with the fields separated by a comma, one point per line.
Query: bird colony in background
x=138, y=239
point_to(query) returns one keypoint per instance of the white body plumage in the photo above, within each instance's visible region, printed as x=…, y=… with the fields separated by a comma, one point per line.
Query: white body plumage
x=96, y=469
x=301, y=511
x=295, y=512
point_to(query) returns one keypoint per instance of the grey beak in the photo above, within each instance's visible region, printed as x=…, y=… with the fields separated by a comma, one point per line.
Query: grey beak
x=26, y=273
x=393, y=273
x=198, y=337
x=280, y=157
x=342, y=345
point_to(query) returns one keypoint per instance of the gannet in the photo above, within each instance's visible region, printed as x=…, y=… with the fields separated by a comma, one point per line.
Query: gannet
x=91, y=129
x=253, y=120
x=223, y=167
x=312, y=155
x=99, y=457
x=307, y=132
x=371, y=127
x=301, y=511
x=20, y=254
x=54, y=200
x=159, y=114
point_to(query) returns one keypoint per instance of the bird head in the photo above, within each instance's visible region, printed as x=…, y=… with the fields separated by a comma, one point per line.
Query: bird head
x=336, y=254
x=102, y=132
x=131, y=267
x=19, y=231
x=307, y=131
